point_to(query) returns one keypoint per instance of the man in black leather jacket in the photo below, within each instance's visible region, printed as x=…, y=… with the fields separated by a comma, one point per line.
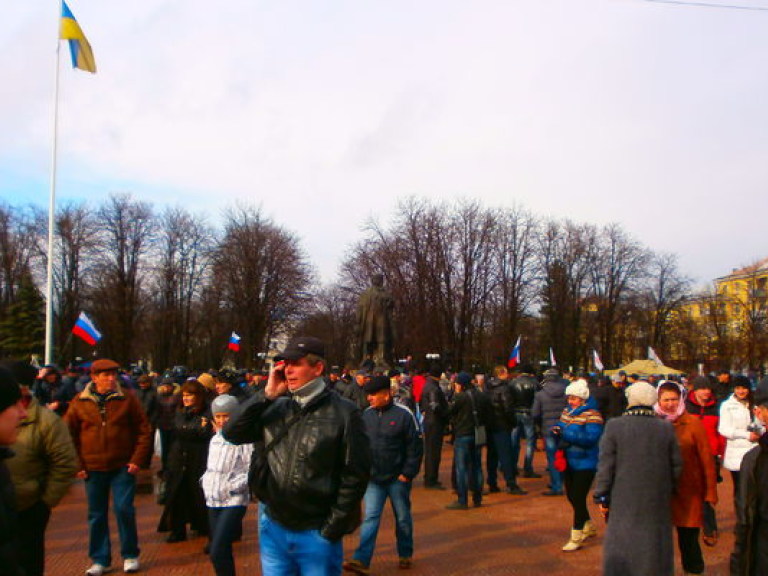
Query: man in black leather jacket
x=317, y=459
x=524, y=388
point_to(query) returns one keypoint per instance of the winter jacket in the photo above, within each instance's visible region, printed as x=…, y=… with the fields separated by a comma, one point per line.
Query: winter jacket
x=396, y=443
x=503, y=400
x=9, y=531
x=735, y=417
x=187, y=460
x=148, y=399
x=710, y=417
x=580, y=431
x=45, y=461
x=549, y=403
x=461, y=411
x=167, y=406
x=698, y=479
x=524, y=389
x=752, y=478
x=433, y=404
x=225, y=482
x=111, y=436
x=318, y=472
x=61, y=391
x=355, y=393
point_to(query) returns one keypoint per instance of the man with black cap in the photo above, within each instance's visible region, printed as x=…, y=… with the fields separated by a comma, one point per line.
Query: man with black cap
x=112, y=438
x=396, y=451
x=312, y=463
x=12, y=412
x=434, y=407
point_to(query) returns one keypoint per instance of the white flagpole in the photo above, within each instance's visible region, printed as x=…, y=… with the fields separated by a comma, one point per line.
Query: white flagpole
x=52, y=204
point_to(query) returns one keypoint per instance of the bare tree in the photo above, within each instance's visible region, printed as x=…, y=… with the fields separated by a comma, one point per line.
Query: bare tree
x=184, y=256
x=263, y=275
x=125, y=239
x=618, y=263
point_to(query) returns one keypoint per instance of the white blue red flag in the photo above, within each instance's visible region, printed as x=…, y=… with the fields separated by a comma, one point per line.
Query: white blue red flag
x=85, y=329
x=552, y=360
x=234, y=342
x=514, y=356
x=653, y=356
x=598, y=363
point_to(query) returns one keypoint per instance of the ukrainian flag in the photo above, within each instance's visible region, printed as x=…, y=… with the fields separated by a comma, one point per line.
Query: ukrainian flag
x=82, y=55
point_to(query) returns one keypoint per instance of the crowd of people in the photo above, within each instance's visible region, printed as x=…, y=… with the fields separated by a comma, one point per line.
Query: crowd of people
x=321, y=449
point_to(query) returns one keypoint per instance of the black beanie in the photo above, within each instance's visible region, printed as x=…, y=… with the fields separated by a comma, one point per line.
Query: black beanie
x=23, y=372
x=10, y=393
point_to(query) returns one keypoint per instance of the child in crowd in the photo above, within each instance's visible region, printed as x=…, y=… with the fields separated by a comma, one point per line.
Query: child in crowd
x=225, y=484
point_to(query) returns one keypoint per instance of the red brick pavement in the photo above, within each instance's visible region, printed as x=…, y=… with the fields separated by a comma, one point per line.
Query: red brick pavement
x=507, y=535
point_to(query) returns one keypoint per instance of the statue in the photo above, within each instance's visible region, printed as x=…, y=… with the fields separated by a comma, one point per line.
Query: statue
x=374, y=330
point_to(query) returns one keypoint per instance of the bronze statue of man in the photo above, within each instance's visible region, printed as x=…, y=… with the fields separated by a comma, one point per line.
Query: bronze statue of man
x=375, y=331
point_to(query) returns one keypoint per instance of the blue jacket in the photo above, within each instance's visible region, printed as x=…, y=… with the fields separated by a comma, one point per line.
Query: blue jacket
x=581, y=429
x=396, y=443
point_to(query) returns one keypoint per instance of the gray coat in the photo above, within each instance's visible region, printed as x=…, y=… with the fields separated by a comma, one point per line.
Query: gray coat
x=639, y=465
x=549, y=402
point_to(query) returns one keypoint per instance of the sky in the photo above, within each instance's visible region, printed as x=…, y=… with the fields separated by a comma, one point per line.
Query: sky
x=326, y=113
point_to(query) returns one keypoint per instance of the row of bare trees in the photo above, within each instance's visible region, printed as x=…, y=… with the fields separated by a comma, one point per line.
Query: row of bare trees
x=468, y=279
x=165, y=287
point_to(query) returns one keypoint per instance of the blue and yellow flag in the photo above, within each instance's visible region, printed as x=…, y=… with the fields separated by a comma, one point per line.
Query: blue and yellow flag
x=82, y=55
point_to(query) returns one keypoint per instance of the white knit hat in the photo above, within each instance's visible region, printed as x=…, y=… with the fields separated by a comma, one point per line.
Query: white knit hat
x=578, y=388
x=641, y=394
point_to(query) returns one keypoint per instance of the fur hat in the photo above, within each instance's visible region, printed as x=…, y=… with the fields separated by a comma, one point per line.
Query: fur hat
x=641, y=394
x=578, y=388
x=224, y=404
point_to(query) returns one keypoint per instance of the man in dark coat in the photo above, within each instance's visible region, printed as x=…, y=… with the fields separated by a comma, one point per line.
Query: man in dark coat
x=500, y=449
x=434, y=407
x=12, y=412
x=548, y=405
x=396, y=451
x=750, y=550
x=313, y=459
x=524, y=389
x=470, y=408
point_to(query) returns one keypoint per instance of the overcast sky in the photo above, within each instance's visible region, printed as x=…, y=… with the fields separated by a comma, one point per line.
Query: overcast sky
x=327, y=112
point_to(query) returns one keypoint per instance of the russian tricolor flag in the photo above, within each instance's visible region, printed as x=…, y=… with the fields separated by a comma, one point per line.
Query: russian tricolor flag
x=234, y=342
x=85, y=329
x=514, y=356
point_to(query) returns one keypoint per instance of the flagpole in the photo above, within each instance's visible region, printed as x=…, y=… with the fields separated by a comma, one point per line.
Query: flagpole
x=52, y=205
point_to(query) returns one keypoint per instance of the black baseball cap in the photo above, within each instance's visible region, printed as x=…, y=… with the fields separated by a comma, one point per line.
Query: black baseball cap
x=301, y=346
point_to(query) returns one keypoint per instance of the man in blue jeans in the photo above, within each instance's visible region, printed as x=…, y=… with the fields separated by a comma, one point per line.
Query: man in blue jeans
x=470, y=408
x=396, y=451
x=313, y=463
x=111, y=434
x=548, y=405
x=524, y=389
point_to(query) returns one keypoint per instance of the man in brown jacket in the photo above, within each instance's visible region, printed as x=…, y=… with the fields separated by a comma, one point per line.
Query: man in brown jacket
x=112, y=437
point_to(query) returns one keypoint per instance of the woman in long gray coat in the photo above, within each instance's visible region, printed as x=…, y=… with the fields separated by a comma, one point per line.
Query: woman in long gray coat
x=639, y=465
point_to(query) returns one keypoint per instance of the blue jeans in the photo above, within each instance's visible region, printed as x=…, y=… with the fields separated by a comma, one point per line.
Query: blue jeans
x=550, y=445
x=287, y=552
x=499, y=455
x=226, y=524
x=525, y=428
x=97, y=487
x=399, y=494
x=469, y=470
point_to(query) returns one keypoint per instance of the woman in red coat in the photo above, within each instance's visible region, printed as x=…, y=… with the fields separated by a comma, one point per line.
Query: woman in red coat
x=698, y=481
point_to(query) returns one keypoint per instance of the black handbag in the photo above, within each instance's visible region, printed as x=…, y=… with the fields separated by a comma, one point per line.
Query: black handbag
x=481, y=436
